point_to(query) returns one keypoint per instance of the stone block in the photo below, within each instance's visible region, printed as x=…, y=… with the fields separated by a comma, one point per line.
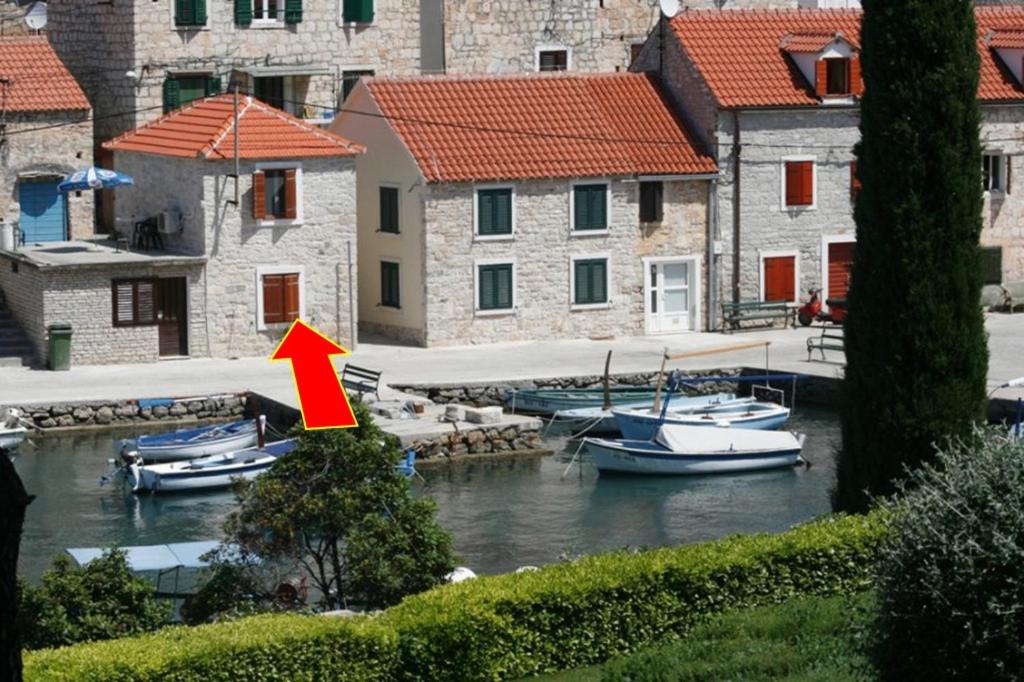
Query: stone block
x=104, y=415
x=483, y=415
x=455, y=413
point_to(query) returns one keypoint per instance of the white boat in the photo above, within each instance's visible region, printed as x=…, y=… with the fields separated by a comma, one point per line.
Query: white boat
x=687, y=450
x=601, y=420
x=214, y=439
x=205, y=473
x=643, y=424
x=12, y=433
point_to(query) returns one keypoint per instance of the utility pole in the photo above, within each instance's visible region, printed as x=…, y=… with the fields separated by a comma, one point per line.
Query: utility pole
x=238, y=197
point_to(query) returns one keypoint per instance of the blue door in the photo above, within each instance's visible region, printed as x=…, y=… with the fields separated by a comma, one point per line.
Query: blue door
x=44, y=215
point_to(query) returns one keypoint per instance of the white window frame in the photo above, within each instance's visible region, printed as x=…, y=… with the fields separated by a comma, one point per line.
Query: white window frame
x=1002, y=156
x=477, y=311
x=268, y=23
x=352, y=24
x=299, y=214
x=573, y=232
x=826, y=241
x=477, y=237
x=696, y=264
x=262, y=270
x=552, y=47
x=380, y=291
x=762, y=283
x=814, y=182
x=608, y=281
x=392, y=185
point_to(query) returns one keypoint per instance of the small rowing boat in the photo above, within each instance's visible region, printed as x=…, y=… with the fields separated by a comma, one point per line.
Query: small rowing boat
x=12, y=433
x=204, y=473
x=214, y=439
x=689, y=450
x=601, y=420
x=642, y=424
x=549, y=401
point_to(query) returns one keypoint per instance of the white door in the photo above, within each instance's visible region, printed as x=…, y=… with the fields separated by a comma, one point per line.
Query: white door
x=669, y=297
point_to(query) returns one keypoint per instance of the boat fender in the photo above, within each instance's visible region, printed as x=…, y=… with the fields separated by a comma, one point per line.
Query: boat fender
x=723, y=423
x=133, y=469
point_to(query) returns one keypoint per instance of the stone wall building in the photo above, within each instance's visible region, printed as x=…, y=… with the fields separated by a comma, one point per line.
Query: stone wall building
x=774, y=96
x=45, y=134
x=214, y=278
x=497, y=208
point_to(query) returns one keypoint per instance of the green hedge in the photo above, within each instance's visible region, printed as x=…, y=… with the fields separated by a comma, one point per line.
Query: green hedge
x=509, y=626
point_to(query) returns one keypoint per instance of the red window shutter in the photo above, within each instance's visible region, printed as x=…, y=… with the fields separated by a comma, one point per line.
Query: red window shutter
x=273, y=299
x=854, y=181
x=291, y=298
x=793, y=190
x=779, y=278
x=290, y=195
x=259, y=195
x=821, y=77
x=807, y=183
x=840, y=264
x=856, y=83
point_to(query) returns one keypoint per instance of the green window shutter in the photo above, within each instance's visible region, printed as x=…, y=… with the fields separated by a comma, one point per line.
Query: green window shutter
x=494, y=211
x=485, y=212
x=243, y=12
x=495, y=287
x=358, y=11
x=992, y=265
x=199, y=12
x=213, y=86
x=172, y=95
x=591, y=281
x=292, y=11
x=590, y=204
x=190, y=12
x=389, y=210
x=389, y=285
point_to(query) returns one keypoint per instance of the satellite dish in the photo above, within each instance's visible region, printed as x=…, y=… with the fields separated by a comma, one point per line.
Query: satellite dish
x=669, y=8
x=35, y=18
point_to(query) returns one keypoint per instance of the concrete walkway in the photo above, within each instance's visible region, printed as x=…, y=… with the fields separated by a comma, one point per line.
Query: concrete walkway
x=466, y=364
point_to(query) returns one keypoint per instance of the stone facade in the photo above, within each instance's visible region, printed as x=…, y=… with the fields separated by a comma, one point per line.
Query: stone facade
x=32, y=149
x=1002, y=130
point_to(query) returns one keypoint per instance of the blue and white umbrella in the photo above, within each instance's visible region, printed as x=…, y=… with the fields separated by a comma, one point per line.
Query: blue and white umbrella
x=93, y=178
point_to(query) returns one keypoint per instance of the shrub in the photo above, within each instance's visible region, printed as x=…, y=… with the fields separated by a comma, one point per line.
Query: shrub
x=100, y=600
x=951, y=590
x=508, y=626
x=227, y=591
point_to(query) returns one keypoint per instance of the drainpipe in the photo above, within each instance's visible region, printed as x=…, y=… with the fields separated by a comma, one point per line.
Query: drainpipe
x=712, y=236
x=737, y=162
x=351, y=304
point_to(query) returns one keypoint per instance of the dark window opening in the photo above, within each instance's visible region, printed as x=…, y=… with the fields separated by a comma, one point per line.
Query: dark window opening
x=651, y=202
x=389, y=210
x=389, y=285
x=276, y=193
x=837, y=80
x=349, y=80
x=270, y=90
x=992, y=265
x=553, y=60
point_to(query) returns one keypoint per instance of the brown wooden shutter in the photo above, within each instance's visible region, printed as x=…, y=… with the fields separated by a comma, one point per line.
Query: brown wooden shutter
x=291, y=298
x=856, y=83
x=291, y=198
x=124, y=305
x=259, y=195
x=807, y=182
x=854, y=181
x=273, y=299
x=145, y=301
x=821, y=77
x=779, y=278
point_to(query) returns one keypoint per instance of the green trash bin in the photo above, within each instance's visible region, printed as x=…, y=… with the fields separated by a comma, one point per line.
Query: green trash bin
x=60, y=346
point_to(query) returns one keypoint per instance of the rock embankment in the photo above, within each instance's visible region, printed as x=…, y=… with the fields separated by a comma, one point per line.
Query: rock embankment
x=114, y=412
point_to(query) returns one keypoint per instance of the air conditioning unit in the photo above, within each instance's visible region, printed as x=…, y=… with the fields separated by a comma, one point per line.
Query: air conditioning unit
x=170, y=222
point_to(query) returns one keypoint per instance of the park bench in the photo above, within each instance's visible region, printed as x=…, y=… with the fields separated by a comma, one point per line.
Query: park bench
x=361, y=380
x=1013, y=295
x=735, y=313
x=831, y=338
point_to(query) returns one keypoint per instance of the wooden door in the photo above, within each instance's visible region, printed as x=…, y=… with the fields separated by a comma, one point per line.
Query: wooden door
x=172, y=316
x=780, y=278
x=840, y=264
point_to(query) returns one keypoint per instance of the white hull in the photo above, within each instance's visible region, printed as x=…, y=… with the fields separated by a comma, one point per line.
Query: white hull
x=613, y=460
x=600, y=420
x=175, y=453
x=11, y=438
x=205, y=473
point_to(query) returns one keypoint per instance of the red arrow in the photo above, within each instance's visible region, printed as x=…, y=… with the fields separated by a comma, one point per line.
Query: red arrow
x=322, y=399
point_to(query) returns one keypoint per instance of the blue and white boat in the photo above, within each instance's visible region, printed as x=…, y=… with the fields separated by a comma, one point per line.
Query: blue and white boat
x=692, y=450
x=214, y=439
x=601, y=420
x=549, y=401
x=204, y=473
x=643, y=424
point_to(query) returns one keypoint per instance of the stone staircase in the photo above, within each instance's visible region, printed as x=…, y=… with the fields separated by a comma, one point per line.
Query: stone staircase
x=15, y=348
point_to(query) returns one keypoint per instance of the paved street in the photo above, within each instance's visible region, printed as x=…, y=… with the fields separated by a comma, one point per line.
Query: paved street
x=465, y=364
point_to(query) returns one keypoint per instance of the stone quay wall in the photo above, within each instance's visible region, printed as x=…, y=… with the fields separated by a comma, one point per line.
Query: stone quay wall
x=120, y=412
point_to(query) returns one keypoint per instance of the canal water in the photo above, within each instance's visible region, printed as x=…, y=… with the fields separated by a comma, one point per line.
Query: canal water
x=503, y=514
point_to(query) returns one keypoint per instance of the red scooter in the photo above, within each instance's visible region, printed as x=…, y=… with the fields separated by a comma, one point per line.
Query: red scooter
x=811, y=311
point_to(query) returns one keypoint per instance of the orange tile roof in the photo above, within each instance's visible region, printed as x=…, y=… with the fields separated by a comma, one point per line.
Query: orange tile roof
x=473, y=128
x=812, y=42
x=1011, y=38
x=740, y=53
x=38, y=79
x=205, y=128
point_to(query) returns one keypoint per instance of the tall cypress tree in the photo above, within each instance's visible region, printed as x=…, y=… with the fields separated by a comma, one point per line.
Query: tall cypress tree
x=916, y=355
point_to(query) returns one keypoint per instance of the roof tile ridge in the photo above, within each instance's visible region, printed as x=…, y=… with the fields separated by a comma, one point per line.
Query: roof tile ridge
x=211, y=147
x=497, y=77
x=297, y=122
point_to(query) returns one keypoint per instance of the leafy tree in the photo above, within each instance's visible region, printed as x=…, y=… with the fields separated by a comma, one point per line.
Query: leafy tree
x=228, y=590
x=13, y=501
x=915, y=343
x=337, y=507
x=101, y=600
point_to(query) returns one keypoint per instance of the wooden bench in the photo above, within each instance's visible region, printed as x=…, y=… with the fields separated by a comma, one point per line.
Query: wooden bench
x=735, y=313
x=361, y=380
x=1013, y=295
x=831, y=338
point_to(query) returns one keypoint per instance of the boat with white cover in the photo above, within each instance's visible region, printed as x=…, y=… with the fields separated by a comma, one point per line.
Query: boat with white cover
x=214, y=439
x=601, y=420
x=642, y=423
x=205, y=473
x=12, y=433
x=690, y=450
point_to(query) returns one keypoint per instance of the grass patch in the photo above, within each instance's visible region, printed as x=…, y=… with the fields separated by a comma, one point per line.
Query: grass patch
x=814, y=638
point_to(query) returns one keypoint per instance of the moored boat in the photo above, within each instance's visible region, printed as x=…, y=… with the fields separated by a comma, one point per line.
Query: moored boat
x=205, y=473
x=549, y=401
x=643, y=424
x=12, y=433
x=601, y=420
x=202, y=441
x=692, y=450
